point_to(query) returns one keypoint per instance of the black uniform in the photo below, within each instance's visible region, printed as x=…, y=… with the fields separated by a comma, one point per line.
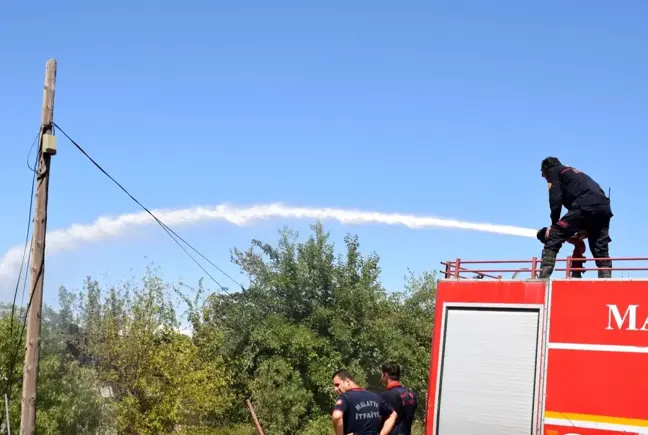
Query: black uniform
x=404, y=402
x=363, y=411
x=588, y=209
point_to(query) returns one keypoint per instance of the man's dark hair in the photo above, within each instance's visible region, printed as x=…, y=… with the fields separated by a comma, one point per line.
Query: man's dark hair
x=344, y=375
x=549, y=162
x=392, y=370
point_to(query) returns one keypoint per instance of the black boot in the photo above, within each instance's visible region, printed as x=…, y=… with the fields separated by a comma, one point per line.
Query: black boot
x=548, y=264
x=604, y=273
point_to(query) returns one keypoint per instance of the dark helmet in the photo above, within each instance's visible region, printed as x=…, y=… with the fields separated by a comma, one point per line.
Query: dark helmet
x=548, y=163
x=541, y=235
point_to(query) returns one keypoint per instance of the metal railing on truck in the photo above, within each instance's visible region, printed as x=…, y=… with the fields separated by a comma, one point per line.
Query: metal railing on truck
x=480, y=269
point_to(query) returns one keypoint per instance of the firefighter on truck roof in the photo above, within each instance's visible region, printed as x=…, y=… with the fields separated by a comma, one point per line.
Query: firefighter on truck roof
x=588, y=209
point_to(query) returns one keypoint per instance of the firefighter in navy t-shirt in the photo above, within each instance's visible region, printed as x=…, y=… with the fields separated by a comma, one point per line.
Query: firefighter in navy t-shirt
x=358, y=411
x=402, y=399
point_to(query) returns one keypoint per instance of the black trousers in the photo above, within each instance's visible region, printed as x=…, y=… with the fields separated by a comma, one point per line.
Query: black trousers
x=594, y=220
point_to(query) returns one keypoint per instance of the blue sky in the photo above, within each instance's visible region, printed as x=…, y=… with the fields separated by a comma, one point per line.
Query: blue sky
x=439, y=108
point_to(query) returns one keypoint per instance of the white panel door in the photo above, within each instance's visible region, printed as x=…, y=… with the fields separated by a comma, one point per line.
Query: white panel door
x=489, y=372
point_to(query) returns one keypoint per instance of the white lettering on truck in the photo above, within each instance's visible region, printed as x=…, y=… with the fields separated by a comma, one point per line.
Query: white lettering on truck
x=631, y=316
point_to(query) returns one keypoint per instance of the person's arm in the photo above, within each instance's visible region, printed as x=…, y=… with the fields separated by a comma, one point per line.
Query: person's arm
x=338, y=416
x=389, y=415
x=555, y=194
x=389, y=423
x=392, y=400
x=338, y=424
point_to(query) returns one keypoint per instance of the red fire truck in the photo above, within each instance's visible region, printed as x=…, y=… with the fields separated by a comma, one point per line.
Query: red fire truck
x=517, y=356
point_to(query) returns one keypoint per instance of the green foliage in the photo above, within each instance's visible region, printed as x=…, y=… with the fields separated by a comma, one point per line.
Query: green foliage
x=114, y=362
x=235, y=429
x=69, y=399
x=9, y=346
x=318, y=426
x=68, y=395
x=279, y=396
x=307, y=313
x=155, y=373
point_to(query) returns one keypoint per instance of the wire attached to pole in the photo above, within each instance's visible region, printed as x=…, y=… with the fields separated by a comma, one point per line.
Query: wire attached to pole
x=175, y=236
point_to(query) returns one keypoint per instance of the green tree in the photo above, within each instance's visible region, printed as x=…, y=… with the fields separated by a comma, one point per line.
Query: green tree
x=306, y=313
x=69, y=399
x=68, y=396
x=409, y=332
x=130, y=333
x=114, y=361
x=279, y=396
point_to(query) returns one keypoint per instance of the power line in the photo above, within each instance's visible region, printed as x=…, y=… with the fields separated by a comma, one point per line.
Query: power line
x=33, y=169
x=175, y=236
x=31, y=203
x=29, y=221
x=14, y=355
x=22, y=333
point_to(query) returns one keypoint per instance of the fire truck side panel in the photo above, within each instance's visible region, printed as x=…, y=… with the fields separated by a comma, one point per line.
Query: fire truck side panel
x=597, y=357
x=487, y=358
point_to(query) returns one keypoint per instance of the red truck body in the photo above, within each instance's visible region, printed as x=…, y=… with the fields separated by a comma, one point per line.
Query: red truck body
x=559, y=357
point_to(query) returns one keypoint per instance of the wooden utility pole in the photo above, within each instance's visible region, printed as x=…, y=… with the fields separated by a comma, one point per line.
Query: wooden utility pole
x=254, y=417
x=47, y=150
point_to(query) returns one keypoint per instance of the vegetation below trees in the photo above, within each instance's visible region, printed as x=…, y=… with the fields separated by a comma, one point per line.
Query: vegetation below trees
x=114, y=359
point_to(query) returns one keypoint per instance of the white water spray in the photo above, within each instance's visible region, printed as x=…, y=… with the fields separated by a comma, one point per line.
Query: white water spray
x=106, y=227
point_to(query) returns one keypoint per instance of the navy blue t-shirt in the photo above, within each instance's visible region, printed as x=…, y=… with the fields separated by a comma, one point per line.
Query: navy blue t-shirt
x=404, y=402
x=363, y=411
